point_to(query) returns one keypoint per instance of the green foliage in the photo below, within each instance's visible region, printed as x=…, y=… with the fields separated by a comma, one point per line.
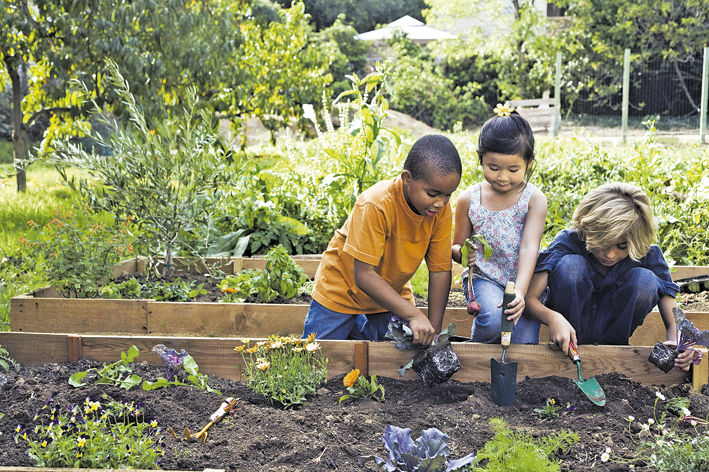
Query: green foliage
x=362, y=152
x=6, y=361
x=359, y=387
x=200, y=381
x=593, y=45
x=79, y=260
x=349, y=55
x=118, y=373
x=518, y=451
x=549, y=411
x=282, y=276
x=362, y=15
x=163, y=180
x=284, y=369
x=423, y=90
x=96, y=435
x=160, y=290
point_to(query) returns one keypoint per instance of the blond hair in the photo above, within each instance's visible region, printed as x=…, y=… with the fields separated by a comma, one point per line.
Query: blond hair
x=616, y=213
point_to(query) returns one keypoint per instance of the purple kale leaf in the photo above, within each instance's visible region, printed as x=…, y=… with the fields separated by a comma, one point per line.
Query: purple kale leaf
x=172, y=360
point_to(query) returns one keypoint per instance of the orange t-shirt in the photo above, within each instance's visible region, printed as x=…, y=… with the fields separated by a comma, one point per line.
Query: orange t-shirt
x=382, y=231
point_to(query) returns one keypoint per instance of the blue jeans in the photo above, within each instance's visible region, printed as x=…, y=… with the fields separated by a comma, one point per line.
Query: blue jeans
x=487, y=325
x=329, y=324
x=602, y=310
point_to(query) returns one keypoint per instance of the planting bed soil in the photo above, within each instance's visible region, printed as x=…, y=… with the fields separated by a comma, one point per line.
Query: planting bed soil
x=325, y=435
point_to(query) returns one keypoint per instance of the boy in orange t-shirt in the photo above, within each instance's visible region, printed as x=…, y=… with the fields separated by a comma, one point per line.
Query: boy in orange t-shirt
x=364, y=275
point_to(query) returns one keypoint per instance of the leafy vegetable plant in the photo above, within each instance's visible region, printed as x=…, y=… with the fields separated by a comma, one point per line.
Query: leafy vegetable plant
x=428, y=454
x=359, y=387
x=474, y=307
x=401, y=333
x=118, y=373
x=284, y=369
x=174, y=362
x=96, y=435
x=282, y=276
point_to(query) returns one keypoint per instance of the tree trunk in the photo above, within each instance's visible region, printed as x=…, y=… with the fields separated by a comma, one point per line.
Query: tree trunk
x=19, y=145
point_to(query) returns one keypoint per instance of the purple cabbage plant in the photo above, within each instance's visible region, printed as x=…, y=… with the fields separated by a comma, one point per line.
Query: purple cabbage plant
x=172, y=360
x=429, y=453
x=689, y=335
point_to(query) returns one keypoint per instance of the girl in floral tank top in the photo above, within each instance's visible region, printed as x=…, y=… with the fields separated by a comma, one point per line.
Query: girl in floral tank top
x=510, y=213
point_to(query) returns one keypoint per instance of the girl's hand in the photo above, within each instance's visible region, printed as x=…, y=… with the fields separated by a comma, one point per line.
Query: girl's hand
x=471, y=257
x=516, y=307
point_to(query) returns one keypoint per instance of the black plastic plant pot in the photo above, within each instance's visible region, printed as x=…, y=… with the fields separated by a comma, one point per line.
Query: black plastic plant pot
x=663, y=356
x=436, y=364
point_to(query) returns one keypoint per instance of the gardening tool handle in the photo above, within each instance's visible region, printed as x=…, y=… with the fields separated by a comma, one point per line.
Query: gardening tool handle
x=225, y=408
x=573, y=353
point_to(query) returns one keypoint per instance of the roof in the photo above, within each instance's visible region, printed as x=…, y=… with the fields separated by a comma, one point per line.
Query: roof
x=414, y=29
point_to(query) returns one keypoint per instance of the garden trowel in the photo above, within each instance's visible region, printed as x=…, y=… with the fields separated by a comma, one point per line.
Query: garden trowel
x=590, y=387
x=228, y=405
x=503, y=377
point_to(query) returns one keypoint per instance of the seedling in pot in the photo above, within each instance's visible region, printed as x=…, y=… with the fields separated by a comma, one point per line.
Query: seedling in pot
x=663, y=355
x=435, y=363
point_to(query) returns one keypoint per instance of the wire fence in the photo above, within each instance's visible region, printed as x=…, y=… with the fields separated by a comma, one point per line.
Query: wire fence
x=666, y=89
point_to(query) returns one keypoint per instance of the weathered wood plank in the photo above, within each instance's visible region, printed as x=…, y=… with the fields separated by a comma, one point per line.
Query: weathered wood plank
x=35, y=348
x=216, y=356
x=534, y=361
x=71, y=315
x=225, y=319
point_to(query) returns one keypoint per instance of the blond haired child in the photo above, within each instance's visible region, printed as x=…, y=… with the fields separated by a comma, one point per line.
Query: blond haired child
x=510, y=212
x=599, y=279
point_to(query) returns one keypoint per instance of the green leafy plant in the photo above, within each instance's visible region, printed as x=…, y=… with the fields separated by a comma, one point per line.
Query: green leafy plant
x=177, y=290
x=96, y=435
x=79, y=259
x=428, y=454
x=174, y=362
x=118, y=373
x=282, y=276
x=284, y=369
x=518, y=451
x=401, y=334
x=359, y=387
x=549, y=411
x=166, y=179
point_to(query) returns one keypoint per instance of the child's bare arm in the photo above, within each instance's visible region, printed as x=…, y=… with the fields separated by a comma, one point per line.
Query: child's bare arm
x=560, y=330
x=528, y=250
x=439, y=284
x=665, y=305
x=463, y=227
x=381, y=292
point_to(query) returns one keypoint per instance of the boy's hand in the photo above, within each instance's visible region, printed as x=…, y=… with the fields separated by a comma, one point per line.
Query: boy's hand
x=423, y=331
x=561, y=332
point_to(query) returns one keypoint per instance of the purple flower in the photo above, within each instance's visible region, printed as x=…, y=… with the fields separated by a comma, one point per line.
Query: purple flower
x=689, y=335
x=172, y=360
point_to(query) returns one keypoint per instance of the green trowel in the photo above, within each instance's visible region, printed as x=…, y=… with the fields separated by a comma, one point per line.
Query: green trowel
x=590, y=387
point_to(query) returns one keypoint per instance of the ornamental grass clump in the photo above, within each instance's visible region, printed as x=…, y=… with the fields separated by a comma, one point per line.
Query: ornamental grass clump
x=95, y=435
x=284, y=369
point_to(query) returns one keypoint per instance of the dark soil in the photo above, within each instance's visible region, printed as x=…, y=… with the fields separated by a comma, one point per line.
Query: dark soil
x=325, y=435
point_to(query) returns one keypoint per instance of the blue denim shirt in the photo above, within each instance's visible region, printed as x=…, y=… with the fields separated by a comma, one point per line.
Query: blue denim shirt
x=567, y=242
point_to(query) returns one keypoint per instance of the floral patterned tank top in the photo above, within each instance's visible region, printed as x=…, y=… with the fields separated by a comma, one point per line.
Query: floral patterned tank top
x=503, y=230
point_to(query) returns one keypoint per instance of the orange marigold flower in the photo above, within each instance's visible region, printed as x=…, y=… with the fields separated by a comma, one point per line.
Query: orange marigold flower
x=350, y=378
